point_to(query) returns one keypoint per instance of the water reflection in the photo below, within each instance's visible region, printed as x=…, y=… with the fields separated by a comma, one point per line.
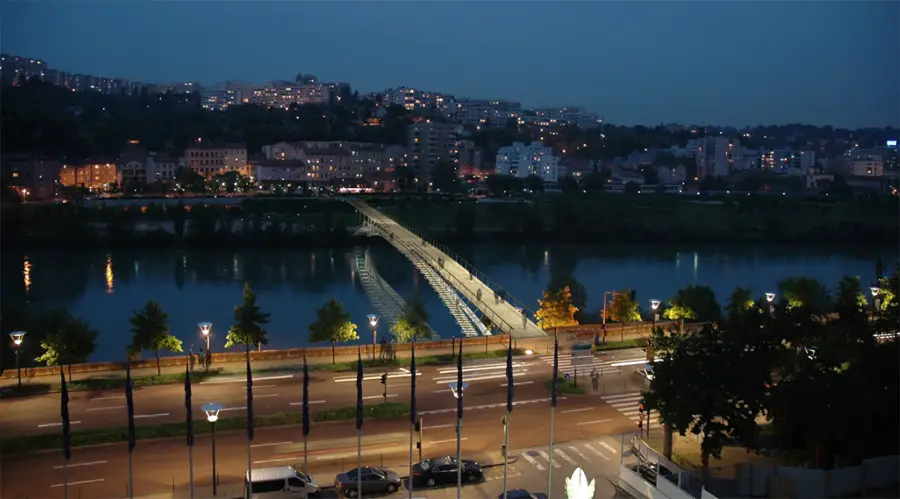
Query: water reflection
x=26, y=274
x=110, y=279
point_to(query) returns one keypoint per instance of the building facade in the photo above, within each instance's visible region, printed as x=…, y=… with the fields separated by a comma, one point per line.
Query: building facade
x=275, y=170
x=33, y=179
x=210, y=159
x=671, y=175
x=716, y=156
x=91, y=175
x=520, y=160
x=431, y=143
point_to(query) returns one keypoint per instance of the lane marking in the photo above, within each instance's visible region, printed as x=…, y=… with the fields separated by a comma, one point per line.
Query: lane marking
x=576, y=451
x=159, y=415
x=404, y=370
x=593, y=422
x=264, y=395
x=390, y=395
x=595, y=451
x=563, y=455
x=518, y=383
x=547, y=458
x=621, y=396
x=609, y=447
x=484, y=367
x=80, y=464
x=279, y=460
x=490, y=406
x=271, y=444
x=243, y=379
x=399, y=376
x=242, y=408
x=106, y=408
x=261, y=386
x=533, y=462
x=78, y=483
x=440, y=426
x=118, y=397
x=447, y=441
x=446, y=390
x=448, y=379
x=47, y=425
x=311, y=402
x=578, y=410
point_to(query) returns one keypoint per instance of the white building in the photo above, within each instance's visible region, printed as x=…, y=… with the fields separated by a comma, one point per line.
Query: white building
x=271, y=170
x=522, y=161
x=161, y=167
x=414, y=99
x=716, y=155
x=489, y=112
x=869, y=165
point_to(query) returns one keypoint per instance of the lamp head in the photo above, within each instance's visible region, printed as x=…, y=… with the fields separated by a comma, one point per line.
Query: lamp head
x=654, y=304
x=212, y=411
x=205, y=328
x=373, y=320
x=875, y=290
x=770, y=297
x=17, y=337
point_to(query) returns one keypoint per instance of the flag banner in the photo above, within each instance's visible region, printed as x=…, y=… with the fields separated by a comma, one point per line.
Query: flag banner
x=413, y=417
x=459, y=382
x=555, y=372
x=359, y=392
x=189, y=412
x=129, y=402
x=249, y=398
x=64, y=412
x=305, y=397
x=510, y=388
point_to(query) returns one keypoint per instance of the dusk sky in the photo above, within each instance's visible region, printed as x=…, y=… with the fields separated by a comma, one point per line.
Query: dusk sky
x=717, y=62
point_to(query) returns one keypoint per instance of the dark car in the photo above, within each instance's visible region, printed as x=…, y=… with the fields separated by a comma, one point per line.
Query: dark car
x=521, y=494
x=442, y=471
x=374, y=481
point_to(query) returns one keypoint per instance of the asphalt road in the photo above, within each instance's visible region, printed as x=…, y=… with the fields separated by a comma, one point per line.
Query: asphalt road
x=274, y=392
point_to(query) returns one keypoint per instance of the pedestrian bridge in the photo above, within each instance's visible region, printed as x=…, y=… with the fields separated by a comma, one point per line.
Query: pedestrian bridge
x=501, y=310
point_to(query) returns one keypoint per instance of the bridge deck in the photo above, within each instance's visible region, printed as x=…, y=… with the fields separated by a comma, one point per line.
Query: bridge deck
x=504, y=315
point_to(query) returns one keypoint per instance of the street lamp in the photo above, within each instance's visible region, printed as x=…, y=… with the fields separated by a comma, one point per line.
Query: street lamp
x=875, y=300
x=373, y=322
x=206, y=330
x=654, y=304
x=212, y=415
x=770, y=297
x=17, y=337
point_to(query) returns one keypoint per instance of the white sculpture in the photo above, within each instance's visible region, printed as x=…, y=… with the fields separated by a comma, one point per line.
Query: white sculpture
x=577, y=487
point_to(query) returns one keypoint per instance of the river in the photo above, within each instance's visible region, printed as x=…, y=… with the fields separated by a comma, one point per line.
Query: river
x=196, y=285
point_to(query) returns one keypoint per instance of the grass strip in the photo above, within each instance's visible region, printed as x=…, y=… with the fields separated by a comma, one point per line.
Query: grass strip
x=33, y=443
x=110, y=383
x=620, y=345
x=564, y=387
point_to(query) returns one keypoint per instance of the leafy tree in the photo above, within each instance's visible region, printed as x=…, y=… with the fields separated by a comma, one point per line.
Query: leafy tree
x=412, y=324
x=560, y=281
x=67, y=340
x=534, y=184
x=740, y=302
x=556, y=309
x=248, y=320
x=624, y=307
x=333, y=325
x=444, y=177
x=850, y=301
x=150, y=331
x=694, y=303
x=805, y=293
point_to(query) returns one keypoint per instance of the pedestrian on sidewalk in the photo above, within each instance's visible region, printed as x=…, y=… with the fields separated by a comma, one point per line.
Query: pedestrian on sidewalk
x=595, y=379
x=202, y=357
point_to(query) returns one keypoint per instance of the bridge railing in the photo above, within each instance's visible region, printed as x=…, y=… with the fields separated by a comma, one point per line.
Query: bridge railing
x=508, y=297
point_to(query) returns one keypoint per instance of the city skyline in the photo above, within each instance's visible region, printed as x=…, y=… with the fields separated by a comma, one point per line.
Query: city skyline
x=837, y=67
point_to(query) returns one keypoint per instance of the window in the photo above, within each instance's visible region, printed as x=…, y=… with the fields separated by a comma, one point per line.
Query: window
x=268, y=486
x=296, y=482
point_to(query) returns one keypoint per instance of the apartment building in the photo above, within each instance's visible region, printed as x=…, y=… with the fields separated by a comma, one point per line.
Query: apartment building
x=263, y=170
x=430, y=143
x=520, y=160
x=283, y=94
x=330, y=164
x=494, y=113
x=671, y=175
x=470, y=158
x=33, y=178
x=91, y=175
x=866, y=165
x=716, y=156
x=210, y=159
x=415, y=100
x=161, y=167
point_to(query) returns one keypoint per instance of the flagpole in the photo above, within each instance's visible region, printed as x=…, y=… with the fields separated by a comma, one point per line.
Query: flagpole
x=359, y=421
x=412, y=415
x=510, y=389
x=249, y=425
x=459, y=409
x=505, y=454
x=553, y=409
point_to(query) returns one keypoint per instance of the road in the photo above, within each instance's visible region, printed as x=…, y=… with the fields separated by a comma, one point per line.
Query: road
x=282, y=392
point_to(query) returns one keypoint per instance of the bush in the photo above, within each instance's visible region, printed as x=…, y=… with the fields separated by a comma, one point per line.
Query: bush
x=621, y=345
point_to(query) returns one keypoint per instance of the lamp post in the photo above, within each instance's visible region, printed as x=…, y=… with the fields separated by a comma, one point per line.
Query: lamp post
x=212, y=415
x=770, y=297
x=206, y=330
x=17, y=337
x=373, y=322
x=605, y=301
x=875, y=300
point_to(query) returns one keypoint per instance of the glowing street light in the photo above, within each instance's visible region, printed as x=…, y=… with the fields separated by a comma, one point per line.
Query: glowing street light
x=654, y=304
x=17, y=337
x=373, y=323
x=212, y=415
x=206, y=330
x=770, y=297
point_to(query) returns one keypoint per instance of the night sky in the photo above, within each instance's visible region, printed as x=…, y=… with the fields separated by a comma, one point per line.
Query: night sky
x=721, y=62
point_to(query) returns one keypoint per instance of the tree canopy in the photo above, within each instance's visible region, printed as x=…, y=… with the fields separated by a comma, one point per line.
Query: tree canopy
x=556, y=309
x=150, y=331
x=624, y=307
x=696, y=303
x=66, y=339
x=248, y=320
x=413, y=324
x=332, y=324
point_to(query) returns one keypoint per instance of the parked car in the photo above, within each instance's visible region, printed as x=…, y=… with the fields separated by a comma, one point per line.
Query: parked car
x=374, y=481
x=443, y=470
x=281, y=482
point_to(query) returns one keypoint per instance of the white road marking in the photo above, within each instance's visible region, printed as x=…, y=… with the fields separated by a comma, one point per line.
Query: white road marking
x=46, y=425
x=106, y=408
x=450, y=379
x=374, y=376
x=311, y=402
x=242, y=408
x=490, y=406
x=118, y=397
x=533, y=462
x=80, y=464
x=404, y=370
x=483, y=367
x=593, y=422
x=243, y=379
x=264, y=395
x=563, y=455
x=595, y=451
x=445, y=390
x=440, y=426
x=279, y=460
x=261, y=386
x=271, y=444
x=518, y=383
x=78, y=483
x=446, y=441
x=547, y=458
x=576, y=451
x=158, y=415
x=578, y=410
x=609, y=447
x=620, y=397
x=390, y=395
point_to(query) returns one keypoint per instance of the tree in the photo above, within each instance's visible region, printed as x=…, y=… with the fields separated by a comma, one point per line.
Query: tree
x=67, y=339
x=850, y=301
x=805, y=293
x=444, y=178
x=332, y=324
x=559, y=281
x=412, y=324
x=695, y=303
x=740, y=302
x=534, y=184
x=248, y=320
x=624, y=307
x=569, y=185
x=556, y=309
x=150, y=331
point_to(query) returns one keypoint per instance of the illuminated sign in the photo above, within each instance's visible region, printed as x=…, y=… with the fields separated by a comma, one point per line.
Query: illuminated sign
x=892, y=144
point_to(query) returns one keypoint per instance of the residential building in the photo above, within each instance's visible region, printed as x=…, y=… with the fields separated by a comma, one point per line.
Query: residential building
x=368, y=158
x=329, y=164
x=495, y=113
x=276, y=170
x=33, y=178
x=520, y=160
x=671, y=175
x=430, y=143
x=395, y=157
x=91, y=175
x=161, y=167
x=132, y=166
x=210, y=159
x=867, y=165
x=284, y=93
x=470, y=158
x=716, y=155
x=415, y=100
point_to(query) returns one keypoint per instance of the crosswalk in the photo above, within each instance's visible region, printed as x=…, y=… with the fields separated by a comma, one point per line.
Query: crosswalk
x=573, y=454
x=603, y=366
x=627, y=404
